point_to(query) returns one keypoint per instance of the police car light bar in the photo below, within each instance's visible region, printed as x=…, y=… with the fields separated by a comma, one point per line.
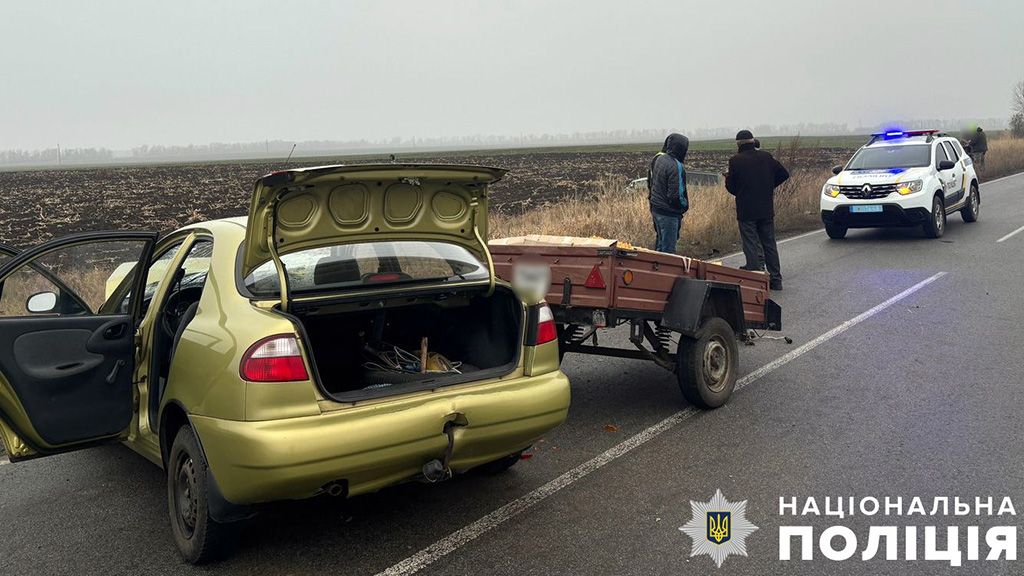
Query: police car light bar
x=891, y=134
x=899, y=133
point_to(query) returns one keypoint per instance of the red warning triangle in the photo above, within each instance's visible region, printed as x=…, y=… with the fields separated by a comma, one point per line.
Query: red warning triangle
x=595, y=280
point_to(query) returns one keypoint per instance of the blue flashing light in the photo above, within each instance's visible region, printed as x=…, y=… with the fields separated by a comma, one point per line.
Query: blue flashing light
x=894, y=134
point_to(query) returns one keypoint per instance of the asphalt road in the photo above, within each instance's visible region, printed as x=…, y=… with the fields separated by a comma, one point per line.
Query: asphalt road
x=902, y=380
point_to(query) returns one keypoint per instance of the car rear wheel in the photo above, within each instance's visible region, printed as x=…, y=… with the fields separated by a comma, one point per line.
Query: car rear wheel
x=835, y=231
x=707, y=365
x=199, y=537
x=970, y=212
x=936, y=223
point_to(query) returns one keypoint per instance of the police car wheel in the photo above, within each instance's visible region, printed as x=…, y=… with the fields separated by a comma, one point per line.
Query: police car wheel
x=835, y=231
x=970, y=212
x=706, y=366
x=936, y=223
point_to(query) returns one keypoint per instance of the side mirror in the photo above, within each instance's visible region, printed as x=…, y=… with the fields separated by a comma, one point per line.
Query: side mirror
x=946, y=165
x=42, y=303
x=837, y=169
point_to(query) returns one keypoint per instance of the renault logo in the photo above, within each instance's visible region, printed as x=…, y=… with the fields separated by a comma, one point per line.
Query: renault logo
x=866, y=189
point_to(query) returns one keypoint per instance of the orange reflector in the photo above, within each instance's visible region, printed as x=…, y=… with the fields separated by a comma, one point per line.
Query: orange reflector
x=595, y=280
x=627, y=277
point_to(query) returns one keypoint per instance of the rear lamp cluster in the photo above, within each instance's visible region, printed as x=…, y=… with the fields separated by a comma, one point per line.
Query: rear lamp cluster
x=274, y=359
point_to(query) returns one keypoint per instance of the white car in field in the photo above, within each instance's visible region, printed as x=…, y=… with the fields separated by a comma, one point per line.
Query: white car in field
x=902, y=179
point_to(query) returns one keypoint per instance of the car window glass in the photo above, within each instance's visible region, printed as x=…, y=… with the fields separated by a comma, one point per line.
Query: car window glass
x=370, y=263
x=155, y=273
x=82, y=276
x=950, y=153
x=895, y=156
x=940, y=154
x=959, y=149
x=196, y=265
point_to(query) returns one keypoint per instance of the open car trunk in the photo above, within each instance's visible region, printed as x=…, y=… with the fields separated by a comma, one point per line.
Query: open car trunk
x=373, y=348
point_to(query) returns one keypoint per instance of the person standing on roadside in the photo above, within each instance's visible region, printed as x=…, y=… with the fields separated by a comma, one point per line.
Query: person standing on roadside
x=666, y=186
x=752, y=178
x=978, y=147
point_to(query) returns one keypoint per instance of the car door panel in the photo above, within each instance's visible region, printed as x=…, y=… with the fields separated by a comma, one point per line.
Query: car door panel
x=56, y=361
x=956, y=175
x=66, y=377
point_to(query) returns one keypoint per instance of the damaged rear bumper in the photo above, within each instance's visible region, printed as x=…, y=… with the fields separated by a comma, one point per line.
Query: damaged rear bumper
x=370, y=446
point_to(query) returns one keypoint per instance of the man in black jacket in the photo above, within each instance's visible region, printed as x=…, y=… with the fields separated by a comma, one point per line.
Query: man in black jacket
x=752, y=178
x=978, y=146
x=666, y=185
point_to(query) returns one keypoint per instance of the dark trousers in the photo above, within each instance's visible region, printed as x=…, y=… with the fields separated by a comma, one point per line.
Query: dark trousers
x=759, y=246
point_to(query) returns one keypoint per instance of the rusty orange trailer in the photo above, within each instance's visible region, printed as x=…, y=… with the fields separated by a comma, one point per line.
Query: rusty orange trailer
x=598, y=283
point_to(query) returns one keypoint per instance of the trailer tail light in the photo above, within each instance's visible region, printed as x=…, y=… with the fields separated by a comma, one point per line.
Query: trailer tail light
x=274, y=359
x=543, y=329
x=594, y=279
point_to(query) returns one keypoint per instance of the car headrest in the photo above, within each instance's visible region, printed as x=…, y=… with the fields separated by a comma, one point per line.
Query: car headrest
x=336, y=271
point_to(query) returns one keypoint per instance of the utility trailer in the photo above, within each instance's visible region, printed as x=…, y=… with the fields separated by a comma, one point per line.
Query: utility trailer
x=595, y=283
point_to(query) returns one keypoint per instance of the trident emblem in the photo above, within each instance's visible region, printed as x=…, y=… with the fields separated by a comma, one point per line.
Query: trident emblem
x=718, y=527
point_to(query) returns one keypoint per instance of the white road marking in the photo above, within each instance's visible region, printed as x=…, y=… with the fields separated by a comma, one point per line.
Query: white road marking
x=1001, y=179
x=1011, y=234
x=463, y=536
x=4, y=461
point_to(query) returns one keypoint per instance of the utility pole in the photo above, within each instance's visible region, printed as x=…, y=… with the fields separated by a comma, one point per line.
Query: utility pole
x=58, y=154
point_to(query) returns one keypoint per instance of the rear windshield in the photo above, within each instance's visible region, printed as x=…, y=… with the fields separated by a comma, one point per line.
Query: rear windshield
x=372, y=263
x=883, y=157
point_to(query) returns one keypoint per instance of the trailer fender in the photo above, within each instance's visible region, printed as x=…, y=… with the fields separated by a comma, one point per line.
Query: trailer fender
x=691, y=301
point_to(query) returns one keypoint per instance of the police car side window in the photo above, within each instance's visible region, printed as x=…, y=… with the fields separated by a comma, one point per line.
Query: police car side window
x=940, y=154
x=950, y=151
x=956, y=146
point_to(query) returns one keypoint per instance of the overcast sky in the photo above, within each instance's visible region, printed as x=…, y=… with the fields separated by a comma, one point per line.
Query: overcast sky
x=120, y=74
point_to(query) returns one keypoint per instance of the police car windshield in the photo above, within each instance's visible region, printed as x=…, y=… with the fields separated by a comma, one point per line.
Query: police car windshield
x=883, y=157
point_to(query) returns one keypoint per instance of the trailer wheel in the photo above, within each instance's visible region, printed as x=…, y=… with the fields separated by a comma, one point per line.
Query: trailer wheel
x=707, y=365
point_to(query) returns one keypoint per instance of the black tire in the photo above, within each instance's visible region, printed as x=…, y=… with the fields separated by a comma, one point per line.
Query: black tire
x=199, y=537
x=936, y=224
x=500, y=465
x=707, y=365
x=970, y=212
x=835, y=231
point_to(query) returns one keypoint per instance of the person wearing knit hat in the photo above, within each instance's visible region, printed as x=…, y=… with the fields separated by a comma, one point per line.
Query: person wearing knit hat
x=752, y=178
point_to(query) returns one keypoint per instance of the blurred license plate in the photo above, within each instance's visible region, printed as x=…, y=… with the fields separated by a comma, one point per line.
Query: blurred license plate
x=870, y=208
x=531, y=279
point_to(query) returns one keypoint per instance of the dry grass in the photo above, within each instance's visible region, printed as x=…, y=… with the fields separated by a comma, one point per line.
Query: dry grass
x=709, y=226
x=1005, y=156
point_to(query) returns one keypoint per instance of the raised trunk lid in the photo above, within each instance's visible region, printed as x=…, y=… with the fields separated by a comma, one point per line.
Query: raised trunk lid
x=293, y=210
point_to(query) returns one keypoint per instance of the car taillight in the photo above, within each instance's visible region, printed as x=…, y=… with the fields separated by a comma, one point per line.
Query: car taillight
x=274, y=359
x=545, y=330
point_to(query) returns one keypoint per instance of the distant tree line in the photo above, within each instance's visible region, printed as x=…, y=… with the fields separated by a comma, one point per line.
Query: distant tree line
x=57, y=156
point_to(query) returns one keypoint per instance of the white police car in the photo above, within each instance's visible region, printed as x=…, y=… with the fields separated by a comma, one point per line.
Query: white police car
x=899, y=178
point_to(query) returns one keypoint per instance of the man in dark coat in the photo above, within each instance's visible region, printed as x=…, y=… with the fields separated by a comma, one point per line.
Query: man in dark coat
x=666, y=185
x=752, y=178
x=978, y=146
